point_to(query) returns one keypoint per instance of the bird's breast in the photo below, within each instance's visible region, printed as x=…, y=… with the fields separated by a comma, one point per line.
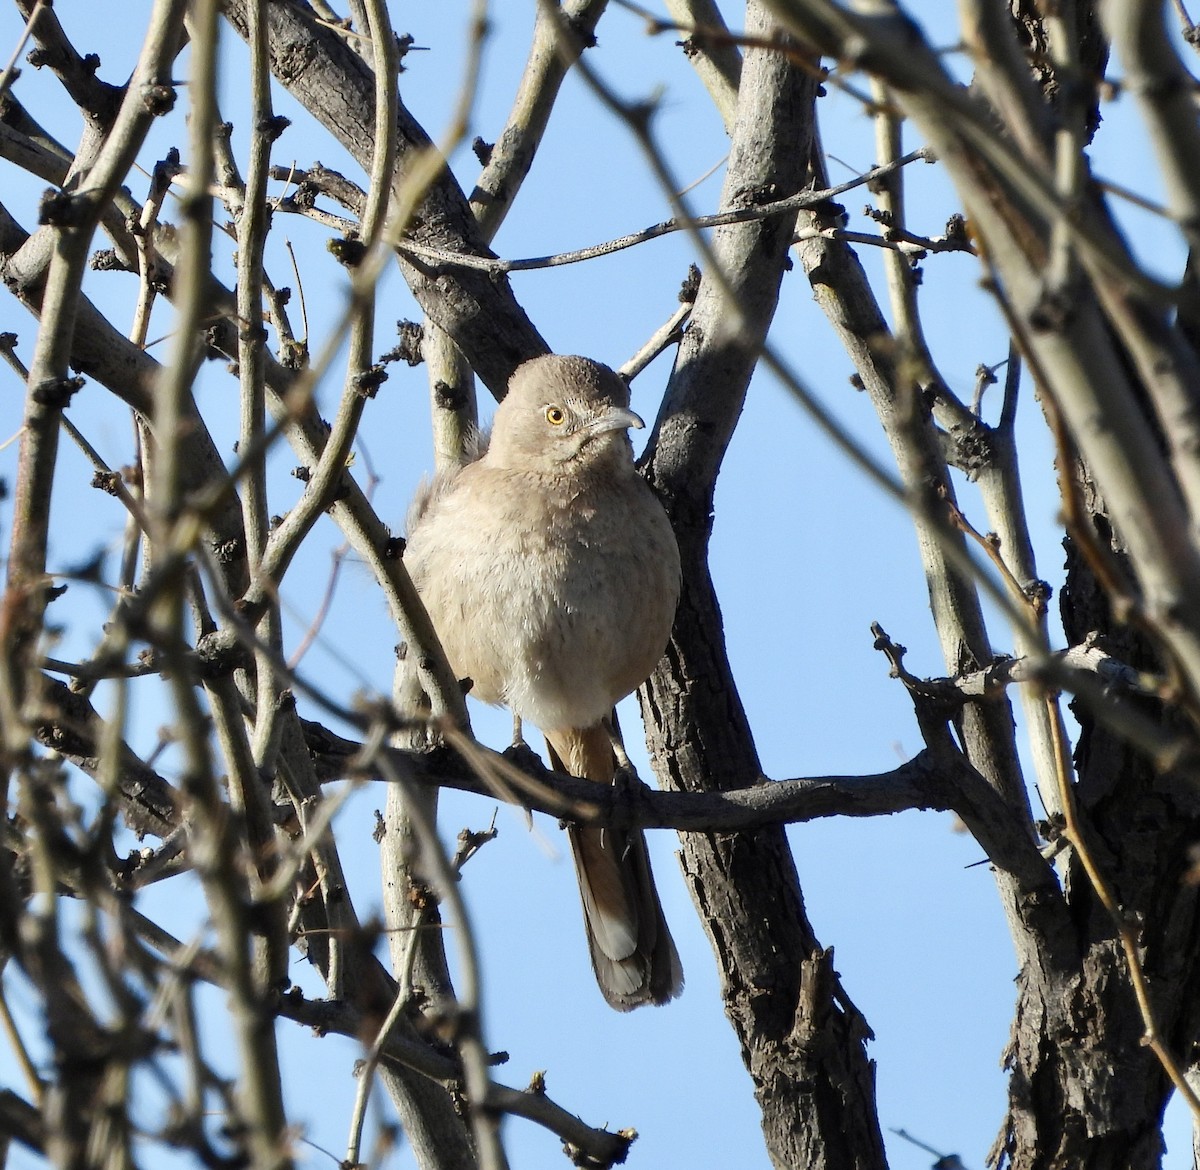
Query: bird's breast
x=557, y=602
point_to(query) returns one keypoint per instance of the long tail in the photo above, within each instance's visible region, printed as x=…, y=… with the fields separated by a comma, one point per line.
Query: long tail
x=633, y=954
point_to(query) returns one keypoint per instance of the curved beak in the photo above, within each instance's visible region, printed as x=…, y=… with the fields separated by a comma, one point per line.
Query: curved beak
x=615, y=418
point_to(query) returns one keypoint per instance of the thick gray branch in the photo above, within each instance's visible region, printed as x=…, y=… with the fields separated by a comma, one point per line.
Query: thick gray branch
x=810, y=1072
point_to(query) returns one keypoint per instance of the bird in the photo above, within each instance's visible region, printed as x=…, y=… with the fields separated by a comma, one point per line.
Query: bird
x=551, y=575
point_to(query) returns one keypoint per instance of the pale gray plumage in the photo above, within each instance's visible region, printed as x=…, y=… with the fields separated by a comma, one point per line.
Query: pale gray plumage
x=551, y=574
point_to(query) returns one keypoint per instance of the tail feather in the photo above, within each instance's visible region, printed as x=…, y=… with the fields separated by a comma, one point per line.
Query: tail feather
x=633, y=954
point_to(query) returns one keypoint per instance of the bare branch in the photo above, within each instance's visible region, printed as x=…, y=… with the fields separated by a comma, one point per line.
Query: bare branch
x=752, y=214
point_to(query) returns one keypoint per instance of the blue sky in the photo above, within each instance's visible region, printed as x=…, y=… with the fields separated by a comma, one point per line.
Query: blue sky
x=805, y=555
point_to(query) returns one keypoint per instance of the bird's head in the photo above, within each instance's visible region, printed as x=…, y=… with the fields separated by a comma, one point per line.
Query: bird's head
x=561, y=411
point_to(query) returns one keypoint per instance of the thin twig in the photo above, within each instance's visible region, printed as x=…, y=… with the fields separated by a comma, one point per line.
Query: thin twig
x=788, y=206
x=666, y=335
x=32, y=1079
x=10, y=68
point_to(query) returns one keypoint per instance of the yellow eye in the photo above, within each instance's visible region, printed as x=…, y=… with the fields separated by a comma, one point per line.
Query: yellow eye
x=555, y=416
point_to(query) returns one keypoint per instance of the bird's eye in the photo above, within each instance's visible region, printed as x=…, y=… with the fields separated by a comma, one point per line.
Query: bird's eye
x=556, y=416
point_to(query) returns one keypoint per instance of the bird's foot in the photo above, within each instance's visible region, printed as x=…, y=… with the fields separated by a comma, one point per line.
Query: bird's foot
x=525, y=758
x=618, y=744
x=626, y=781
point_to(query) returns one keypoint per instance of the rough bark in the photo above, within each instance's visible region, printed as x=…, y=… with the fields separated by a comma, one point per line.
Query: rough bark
x=803, y=1042
x=1085, y=1090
